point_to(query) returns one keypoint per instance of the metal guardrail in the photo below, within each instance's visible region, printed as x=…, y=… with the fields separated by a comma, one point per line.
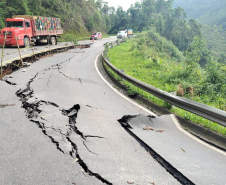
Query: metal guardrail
x=205, y=111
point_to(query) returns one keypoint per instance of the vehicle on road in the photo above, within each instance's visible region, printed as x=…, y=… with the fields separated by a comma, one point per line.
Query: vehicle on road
x=130, y=32
x=121, y=34
x=96, y=36
x=25, y=29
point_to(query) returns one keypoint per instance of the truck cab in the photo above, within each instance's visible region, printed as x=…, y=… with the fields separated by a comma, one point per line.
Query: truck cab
x=17, y=30
x=23, y=29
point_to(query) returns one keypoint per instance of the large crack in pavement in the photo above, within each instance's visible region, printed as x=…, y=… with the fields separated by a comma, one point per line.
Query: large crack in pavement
x=44, y=114
x=59, y=124
x=125, y=123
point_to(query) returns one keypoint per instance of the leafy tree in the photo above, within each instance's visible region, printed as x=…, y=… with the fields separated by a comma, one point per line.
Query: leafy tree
x=77, y=16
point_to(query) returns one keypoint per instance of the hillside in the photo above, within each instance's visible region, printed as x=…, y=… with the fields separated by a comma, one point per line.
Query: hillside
x=80, y=17
x=211, y=12
x=154, y=60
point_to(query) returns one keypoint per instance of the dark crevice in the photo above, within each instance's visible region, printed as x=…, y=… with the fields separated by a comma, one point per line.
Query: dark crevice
x=64, y=74
x=169, y=168
x=91, y=107
x=88, y=148
x=58, y=130
x=10, y=83
x=76, y=79
x=49, y=80
x=43, y=119
x=74, y=128
x=40, y=125
x=94, y=136
x=50, y=103
x=84, y=166
x=33, y=112
x=124, y=121
x=87, y=54
x=58, y=65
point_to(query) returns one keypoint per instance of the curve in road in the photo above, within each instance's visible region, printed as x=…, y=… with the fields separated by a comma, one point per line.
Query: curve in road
x=72, y=130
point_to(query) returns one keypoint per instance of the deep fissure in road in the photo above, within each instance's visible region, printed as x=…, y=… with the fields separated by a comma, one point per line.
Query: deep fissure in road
x=124, y=121
x=34, y=110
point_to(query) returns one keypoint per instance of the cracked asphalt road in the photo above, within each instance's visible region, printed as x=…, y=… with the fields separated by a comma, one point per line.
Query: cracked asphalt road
x=62, y=128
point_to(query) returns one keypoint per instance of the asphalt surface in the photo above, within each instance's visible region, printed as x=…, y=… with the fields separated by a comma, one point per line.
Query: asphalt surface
x=12, y=53
x=199, y=163
x=59, y=126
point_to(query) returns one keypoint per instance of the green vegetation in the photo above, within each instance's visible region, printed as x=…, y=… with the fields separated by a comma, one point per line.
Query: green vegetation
x=156, y=61
x=211, y=12
x=216, y=41
x=169, y=23
x=172, y=23
x=171, y=52
x=78, y=17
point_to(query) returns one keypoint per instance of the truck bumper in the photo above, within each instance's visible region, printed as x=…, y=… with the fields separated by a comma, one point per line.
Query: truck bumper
x=11, y=42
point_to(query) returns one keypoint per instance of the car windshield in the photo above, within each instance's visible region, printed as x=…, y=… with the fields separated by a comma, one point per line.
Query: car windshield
x=95, y=33
x=130, y=30
x=16, y=24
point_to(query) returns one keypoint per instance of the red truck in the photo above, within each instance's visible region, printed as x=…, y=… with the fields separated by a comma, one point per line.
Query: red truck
x=29, y=29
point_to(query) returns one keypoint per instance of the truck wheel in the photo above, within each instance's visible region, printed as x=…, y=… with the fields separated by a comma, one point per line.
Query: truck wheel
x=26, y=42
x=52, y=40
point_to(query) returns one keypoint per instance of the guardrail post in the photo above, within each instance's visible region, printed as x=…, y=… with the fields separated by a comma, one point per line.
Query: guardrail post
x=19, y=52
x=3, y=53
x=105, y=53
x=106, y=47
x=123, y=71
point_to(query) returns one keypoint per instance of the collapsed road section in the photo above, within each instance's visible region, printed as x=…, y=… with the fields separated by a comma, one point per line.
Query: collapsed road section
x=61, y=134
x=194, y=159
x=90, y=135
x=70, y=110
x=63, y=129
x=32, y=55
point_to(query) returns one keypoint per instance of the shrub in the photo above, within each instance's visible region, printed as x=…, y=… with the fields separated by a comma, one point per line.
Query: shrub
x=70, y=38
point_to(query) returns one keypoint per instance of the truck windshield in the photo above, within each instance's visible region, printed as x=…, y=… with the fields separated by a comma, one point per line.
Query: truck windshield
x=16, y=24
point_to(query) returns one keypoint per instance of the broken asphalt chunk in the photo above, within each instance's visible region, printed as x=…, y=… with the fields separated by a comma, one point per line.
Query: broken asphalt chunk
x=151, y=183
x=148, y=128
x=161, y=130
x=130, y=182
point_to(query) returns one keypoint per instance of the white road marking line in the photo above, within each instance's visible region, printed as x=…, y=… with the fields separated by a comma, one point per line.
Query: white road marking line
x=178, y=125
x=141, y=107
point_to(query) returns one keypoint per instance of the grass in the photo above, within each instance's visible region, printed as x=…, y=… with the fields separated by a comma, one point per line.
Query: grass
x=161, y=66
x=78, y=37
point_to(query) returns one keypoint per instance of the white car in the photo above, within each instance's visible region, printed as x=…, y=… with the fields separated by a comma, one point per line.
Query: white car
x=121, y=34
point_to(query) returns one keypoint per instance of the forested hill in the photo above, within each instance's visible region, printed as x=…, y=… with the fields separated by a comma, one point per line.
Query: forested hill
x=211, y=12
x=77, y=16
